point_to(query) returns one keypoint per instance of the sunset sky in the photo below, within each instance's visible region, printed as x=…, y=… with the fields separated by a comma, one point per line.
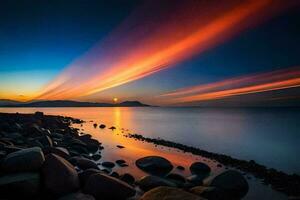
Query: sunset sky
x=159, y=52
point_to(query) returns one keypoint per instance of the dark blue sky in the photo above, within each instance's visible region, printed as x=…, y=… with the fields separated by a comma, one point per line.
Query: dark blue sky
x=39, y=38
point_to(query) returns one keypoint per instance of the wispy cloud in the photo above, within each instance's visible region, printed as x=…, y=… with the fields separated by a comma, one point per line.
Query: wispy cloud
x=148, y=42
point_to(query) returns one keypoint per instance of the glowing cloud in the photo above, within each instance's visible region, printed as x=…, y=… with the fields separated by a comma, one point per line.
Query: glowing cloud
x=155, y=38
x=277, y=80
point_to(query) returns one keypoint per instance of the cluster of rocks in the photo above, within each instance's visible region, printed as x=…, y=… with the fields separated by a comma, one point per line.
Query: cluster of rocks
x=280, y=181
x=43, y=157
x=162, y=184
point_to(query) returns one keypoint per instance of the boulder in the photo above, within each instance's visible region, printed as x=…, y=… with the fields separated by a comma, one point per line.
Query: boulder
x=149, y=182
x=115, y=174
x=24, y=160
x=210, y=193
x=200, y=168
x=196, y=179
x=77, y=196
x=154, y=165
x=96, y=157
x=59, y=176
x=177, y=179
x=120, y=162
x=181, y=168
x=102, y=186
x=230, y=184
x=169, y=193
x=60, y=151
x=108, y=164
x=85, y=175
x=83, y=163
x=20, y=185
x=128, y=178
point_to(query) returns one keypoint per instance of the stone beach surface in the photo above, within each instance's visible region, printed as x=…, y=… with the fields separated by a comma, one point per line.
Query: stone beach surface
x=44, y=157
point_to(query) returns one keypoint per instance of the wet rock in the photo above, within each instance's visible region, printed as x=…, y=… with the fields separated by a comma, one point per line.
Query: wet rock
x=181, y=168
x=59, y=176
x=231, y=185
x=60, y=151
x=108, y=164
x=115, y=174
x=96, y=157
x=30, y=159
x=112, y=128
x=85, y=175
x=83, y=163
x=45, y=140
x=102, y=186
x=200, y=168
x=102, y=126
x=77, y=196
x=128, y=178
x=196, y=179
x=120, y=162
x=154, y=165
x=95, y=125
x=20, y=185
x=210, y=193
x=120, y=146
x=169, y=193
x=149, y=182
x=177, y=179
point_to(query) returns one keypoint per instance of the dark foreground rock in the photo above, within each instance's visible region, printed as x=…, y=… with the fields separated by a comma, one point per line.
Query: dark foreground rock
x=24, y=160
x=59, y=176
x=230, y=185
x=160, y=193
x=102, y=186
x=77, y=196
x=149, y=182
x=20, y=185
x=154, y=165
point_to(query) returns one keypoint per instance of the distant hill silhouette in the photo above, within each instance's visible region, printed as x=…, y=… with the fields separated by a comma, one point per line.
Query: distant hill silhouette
x=66, y=103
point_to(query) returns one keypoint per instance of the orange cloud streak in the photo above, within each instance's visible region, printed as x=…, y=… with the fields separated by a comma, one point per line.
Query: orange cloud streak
x=136, y=50
x=277, y=80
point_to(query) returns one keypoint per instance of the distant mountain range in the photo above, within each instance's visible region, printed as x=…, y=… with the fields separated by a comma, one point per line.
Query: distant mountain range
x=66, y=103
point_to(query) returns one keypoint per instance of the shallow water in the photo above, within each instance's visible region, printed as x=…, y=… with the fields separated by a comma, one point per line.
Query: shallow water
x=268, y=136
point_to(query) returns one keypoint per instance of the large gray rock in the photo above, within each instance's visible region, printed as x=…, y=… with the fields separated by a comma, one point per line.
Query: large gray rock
x=77, y=196
x=230, y=185
x=154, y=165
x=85, y=175
x=169, y=193
x=102, y=186
x=20, y=185
x=60, y=151
x=149, y=182
x=24, y=160
x=59, y=176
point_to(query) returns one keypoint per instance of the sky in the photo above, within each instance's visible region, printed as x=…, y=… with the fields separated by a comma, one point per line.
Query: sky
x=159, y=52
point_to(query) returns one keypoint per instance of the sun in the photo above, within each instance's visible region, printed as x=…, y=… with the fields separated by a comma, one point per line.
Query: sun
x=115, y=99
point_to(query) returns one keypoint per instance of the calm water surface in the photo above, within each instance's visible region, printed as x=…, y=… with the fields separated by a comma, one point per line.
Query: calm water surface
x=269, y=136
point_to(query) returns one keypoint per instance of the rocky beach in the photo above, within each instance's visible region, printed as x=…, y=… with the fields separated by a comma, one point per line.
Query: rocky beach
x=50, y=157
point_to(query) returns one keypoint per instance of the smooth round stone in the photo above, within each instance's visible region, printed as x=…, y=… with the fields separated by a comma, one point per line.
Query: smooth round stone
x=59, y=176
x=154, y=165
x=200, y=168
x=30, y=159
x=149, y=182
x=20, y=185
x=102, y=186
x=232, y=184
x=108, y=164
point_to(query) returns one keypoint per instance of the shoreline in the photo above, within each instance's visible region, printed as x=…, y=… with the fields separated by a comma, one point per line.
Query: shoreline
x=280, y=181
x=55, y=135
